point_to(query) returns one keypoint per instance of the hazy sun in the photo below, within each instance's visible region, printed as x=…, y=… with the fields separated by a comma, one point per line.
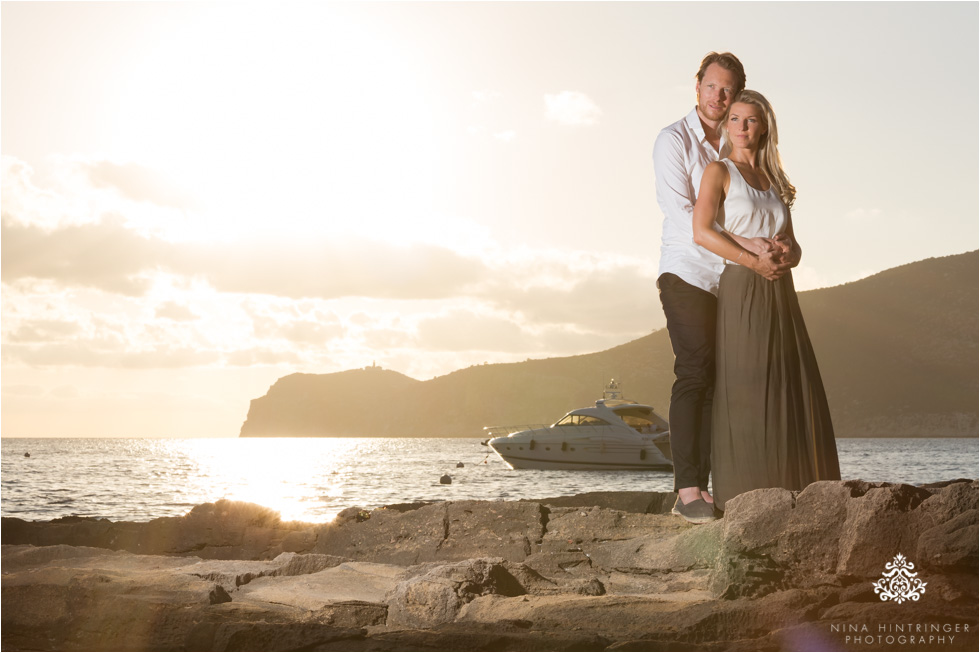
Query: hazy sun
x=330, y=134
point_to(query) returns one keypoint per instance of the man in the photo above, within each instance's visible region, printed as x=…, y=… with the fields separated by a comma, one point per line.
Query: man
x=689, y=276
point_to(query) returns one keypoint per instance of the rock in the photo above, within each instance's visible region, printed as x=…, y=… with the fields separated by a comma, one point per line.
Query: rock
x=103, y=602
x=570, y=529
x=811, y=533
x=224, y=530
x=231, y=574
x=779, y=572
x=400, y=538
x=636, y=502
x=537, y=584
x=878, y=527
x=508, y=529
x=364, y=582
x=437, y=596
x=835, y=533
x=751, y=531
x=293, y=637
x=952, y=545
x=669, y=551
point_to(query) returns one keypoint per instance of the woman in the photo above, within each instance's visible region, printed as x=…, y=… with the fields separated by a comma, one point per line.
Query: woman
x=770, y=423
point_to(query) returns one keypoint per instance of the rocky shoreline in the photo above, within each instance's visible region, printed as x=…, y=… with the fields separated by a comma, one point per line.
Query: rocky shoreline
x=598, y=571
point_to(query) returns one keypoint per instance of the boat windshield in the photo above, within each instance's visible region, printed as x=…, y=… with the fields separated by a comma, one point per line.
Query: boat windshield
x=637, y=418
x=581, y=420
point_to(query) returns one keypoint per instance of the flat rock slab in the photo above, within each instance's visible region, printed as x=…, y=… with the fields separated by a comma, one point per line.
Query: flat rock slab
x=636, y=502
x=446, y=532
x=350, y=581
x=506, y=529
x=569, y=529
x=231, y=574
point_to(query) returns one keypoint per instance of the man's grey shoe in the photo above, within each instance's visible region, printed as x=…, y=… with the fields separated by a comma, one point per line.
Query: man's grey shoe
x=698, y=511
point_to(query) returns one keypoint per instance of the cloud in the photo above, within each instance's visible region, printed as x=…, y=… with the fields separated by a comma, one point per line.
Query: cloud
x=108, y=256
x=466, y=330
x=351, y=268
x=65, y=392
x=506, y=136
x=174, y=311
x=248, y=357
x=382, y=339
x=105, y=255
x=102, y=352
x=24, y=390
x=307, y=332
x=43, y=331
x=137, y=183
x=616, y=298
x=571, y=108
x=25, y=201
x=808, y=278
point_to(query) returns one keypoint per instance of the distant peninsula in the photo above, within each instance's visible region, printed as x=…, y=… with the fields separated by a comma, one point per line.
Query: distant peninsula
x=897, y=351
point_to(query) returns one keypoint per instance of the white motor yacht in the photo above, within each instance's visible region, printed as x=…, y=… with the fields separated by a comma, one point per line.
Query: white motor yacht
x=614, y=434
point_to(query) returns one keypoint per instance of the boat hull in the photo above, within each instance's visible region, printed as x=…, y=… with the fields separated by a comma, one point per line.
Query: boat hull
x=565, y=449
x=517, y=462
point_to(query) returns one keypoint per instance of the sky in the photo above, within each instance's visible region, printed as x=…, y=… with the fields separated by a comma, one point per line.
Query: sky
x=200, y=198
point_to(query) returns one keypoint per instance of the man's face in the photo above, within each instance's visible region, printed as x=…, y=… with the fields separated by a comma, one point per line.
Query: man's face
x=715, y=92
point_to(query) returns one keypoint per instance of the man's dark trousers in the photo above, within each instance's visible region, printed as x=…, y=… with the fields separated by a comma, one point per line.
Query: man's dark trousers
x=691, y=313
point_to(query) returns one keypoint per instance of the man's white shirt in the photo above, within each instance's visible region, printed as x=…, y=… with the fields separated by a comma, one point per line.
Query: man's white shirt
x=680, y=155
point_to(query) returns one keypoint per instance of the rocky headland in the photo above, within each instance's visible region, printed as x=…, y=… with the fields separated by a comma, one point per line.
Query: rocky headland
x=897, y=350
x=600, y=571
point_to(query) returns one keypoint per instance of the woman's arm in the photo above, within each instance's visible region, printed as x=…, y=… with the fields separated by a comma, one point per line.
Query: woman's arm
x=710, y=198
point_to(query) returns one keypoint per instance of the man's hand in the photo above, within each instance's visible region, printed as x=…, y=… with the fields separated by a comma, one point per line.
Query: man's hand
x=769, y=266
x=787, y=250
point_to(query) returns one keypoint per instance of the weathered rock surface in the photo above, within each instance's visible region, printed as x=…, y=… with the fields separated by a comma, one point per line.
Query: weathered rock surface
x=224, y=530
x=781, y=571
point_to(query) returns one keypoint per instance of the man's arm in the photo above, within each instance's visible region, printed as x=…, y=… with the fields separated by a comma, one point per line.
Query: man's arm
x=675, y=193
x=757, y=246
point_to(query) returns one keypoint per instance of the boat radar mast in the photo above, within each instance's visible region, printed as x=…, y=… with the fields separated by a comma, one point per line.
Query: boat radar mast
x=612, y=391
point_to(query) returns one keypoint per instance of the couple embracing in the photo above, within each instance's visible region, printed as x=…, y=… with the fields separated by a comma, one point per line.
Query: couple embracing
x=747, y=404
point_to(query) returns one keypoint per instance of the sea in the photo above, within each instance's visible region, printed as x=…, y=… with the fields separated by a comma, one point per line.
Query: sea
x=312, y=479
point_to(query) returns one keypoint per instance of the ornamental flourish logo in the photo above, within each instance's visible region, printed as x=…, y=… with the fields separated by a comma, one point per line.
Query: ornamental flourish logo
x=899, y=583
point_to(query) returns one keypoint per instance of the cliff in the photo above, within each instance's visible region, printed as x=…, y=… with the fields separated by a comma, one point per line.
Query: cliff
x=600, y=571
x=897, y=351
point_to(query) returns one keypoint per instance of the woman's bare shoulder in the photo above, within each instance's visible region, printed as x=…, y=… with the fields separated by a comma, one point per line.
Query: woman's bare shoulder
x=716, y=174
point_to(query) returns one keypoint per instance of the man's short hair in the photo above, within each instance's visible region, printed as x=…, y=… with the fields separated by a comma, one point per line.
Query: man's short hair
x=729, y=62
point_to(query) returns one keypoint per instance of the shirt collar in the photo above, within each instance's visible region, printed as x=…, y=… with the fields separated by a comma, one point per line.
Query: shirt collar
x=694, y=122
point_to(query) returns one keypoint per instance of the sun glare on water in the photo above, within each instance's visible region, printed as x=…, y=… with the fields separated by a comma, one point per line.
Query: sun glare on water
x=287, y=475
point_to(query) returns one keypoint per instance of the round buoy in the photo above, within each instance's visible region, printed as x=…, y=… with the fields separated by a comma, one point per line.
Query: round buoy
x=27, y=454
x=458, y=465
x=446, y=479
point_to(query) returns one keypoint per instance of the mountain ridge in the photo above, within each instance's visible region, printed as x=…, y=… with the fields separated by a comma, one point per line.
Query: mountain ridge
x=897, y=352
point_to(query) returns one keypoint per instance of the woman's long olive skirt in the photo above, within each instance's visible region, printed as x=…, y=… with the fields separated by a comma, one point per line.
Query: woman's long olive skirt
x=770, y=422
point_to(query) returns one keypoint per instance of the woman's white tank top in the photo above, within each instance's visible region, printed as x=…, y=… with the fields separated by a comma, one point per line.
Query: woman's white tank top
x=749, y=212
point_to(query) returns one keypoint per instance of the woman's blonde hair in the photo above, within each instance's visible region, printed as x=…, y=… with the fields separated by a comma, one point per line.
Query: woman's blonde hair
x=768, y=156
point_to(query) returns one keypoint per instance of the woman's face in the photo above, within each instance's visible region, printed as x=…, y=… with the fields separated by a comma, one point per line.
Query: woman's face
x=746, y=125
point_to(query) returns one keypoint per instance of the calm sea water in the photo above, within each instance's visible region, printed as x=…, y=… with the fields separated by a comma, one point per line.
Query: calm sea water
x=312, y=479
